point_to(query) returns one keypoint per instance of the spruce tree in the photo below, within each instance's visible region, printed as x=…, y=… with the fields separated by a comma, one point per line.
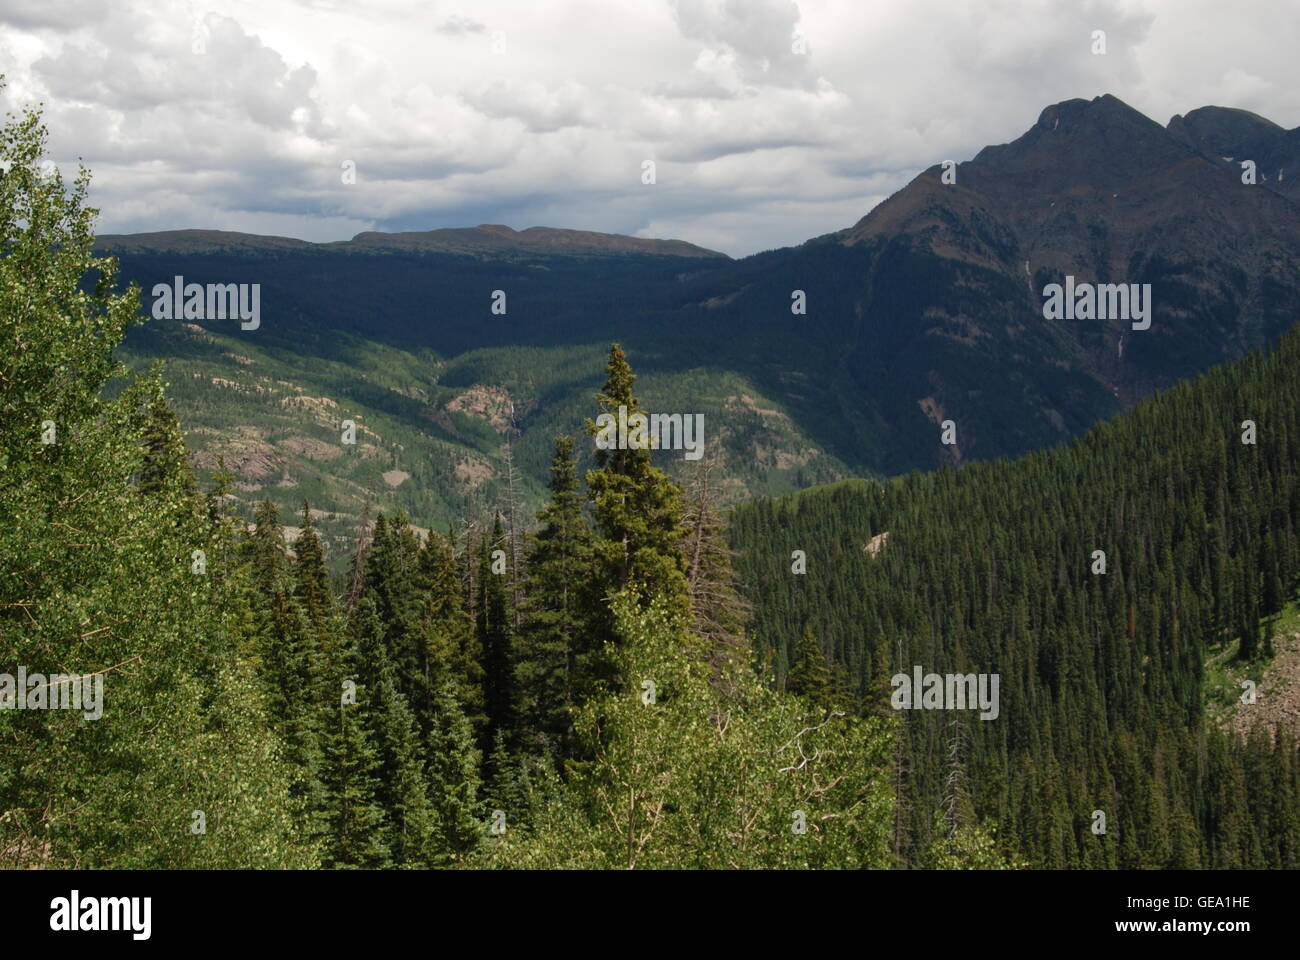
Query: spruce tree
x=402, y=789
x=493, y=623
x=392, y=583
x=166, y=466
x=266, y=550
x=357, y=825
x=638, y=517
x=555, y=643
x=636, y=506
x=810, y=676
x=453, y=774
x=311, y=577
x=448, y=632
x=719, y=611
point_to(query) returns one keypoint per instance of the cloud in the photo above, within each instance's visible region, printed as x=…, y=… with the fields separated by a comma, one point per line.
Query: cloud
x=770, y=121
x=539, y=108
x=759, y=35
x=50, y=14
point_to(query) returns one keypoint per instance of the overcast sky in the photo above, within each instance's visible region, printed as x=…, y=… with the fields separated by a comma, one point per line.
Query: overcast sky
x=239, y=115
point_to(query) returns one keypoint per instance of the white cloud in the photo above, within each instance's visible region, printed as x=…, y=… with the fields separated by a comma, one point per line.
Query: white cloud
x=757, y=145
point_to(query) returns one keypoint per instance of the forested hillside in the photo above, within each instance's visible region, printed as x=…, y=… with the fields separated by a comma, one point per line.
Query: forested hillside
x=627, y=676
x=437, y=438
x=1096, y=579
x=581, y=696
x=840, y=356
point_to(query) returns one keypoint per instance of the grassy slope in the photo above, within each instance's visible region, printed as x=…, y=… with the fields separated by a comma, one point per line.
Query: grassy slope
x=431, y=432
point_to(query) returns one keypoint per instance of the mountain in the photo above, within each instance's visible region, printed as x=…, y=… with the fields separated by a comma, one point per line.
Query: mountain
x=400, y=338
x=1120, y=588
x=1044, y=662
x=489, y=239
x=496, y=240
x=1229, y=137
x=1097, y=191
x=930, y=308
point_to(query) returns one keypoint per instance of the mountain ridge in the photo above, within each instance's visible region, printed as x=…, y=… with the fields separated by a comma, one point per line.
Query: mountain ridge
x=928, y=309
x=485, y=238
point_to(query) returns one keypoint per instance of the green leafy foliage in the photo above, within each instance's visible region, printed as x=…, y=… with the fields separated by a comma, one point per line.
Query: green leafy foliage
x=694, y=778
x=108, y=569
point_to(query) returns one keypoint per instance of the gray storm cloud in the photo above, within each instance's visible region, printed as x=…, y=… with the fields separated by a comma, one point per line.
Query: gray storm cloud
x=235, y=117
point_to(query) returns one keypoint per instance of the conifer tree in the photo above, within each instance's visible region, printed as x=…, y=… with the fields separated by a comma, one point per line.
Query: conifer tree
x=166, y=467
x=493, y=624
x=719, y=611
x=392, y=583
x=637, y=507
x=402, y=789
x=357, y=567
x=289, y=656
x=637, y=512
x=266, y=550
x=810, y=675
x=555, y=642
x=311, y=577
x=453, y=773
x=448, y=632
x=357, y=825
x=514, y=532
